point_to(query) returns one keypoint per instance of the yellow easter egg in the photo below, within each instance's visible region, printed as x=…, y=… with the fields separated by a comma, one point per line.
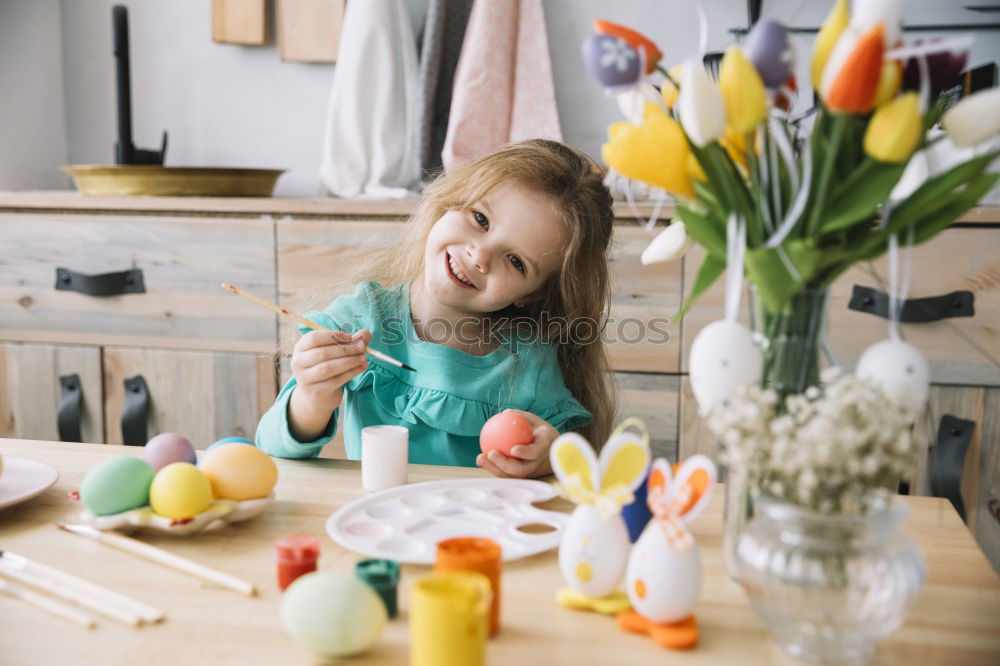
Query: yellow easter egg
x=239, y=471
x=180, y=490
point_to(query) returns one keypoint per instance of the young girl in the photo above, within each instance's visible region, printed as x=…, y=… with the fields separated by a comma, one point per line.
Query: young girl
x=495, y=294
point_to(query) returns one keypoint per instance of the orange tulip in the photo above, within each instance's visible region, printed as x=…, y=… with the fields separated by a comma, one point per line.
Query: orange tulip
x=852, y=73
x=634, y=39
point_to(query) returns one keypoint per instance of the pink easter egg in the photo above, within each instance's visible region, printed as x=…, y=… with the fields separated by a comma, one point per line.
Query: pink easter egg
x=504, y=431
x=166, y=448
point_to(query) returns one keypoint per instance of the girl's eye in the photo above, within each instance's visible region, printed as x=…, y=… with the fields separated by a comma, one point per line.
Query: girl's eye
x=516, y=262
x=481, y=219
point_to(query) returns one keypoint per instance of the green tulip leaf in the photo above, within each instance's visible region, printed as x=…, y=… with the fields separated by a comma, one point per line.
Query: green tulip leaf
x=710, y=270
x=775, y=283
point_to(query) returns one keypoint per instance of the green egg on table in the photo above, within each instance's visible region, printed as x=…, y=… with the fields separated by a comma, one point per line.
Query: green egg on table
x=333, y=614
x=180, y=490
x=117, y=485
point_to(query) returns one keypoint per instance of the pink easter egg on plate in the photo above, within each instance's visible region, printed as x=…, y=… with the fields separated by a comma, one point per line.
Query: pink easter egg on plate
x=166, y=448
x=503, y=431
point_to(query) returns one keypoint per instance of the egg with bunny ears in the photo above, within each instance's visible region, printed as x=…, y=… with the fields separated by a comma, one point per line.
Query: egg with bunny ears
x=594, y=547
x=724, y=356
x=899, y=369
x=663, y=579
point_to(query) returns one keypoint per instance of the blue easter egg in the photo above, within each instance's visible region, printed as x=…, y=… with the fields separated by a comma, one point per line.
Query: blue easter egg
x=612, y=61
x=767, y=46
x=229, y=440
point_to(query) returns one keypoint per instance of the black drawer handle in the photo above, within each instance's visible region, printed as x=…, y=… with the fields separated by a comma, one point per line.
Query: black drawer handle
x=105, y=284
x=70, y=408
x=914, y=310
x=948, y=458
x=135, y=412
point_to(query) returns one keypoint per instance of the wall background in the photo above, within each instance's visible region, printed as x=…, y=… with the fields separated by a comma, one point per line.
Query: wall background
x=226, y=105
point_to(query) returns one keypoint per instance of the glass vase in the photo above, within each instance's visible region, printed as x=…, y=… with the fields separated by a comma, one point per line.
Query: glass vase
x=791, y=340
x=829, y=586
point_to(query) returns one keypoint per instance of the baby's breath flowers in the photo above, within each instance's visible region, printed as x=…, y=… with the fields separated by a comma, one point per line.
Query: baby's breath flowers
x=834, y=449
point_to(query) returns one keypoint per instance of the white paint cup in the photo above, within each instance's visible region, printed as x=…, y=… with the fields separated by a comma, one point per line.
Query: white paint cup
x=384, y=454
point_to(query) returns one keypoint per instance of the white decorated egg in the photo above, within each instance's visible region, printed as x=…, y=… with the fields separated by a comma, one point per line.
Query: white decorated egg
x=899, y=369
x=333, y=614
x=662, y=583
x=724, y=356
x=593, y=551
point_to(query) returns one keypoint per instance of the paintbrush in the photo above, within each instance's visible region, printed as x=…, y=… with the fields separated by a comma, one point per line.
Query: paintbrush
x=305, y=322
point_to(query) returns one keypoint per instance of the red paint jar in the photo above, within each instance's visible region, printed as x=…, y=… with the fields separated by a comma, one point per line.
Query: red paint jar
x=296, y=556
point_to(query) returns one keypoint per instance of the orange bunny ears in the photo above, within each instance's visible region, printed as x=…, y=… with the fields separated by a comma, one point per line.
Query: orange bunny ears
x=684, y=495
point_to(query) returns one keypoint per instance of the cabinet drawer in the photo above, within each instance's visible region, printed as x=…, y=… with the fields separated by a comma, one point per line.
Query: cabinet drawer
x=31, y=391
x=202, y=395
x=639, y=335
x=961, y=350
x=183, y=260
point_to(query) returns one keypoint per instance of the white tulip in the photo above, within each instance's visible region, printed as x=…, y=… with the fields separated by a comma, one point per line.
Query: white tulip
x=669, y=244
x=700, y=105
x=974, y=119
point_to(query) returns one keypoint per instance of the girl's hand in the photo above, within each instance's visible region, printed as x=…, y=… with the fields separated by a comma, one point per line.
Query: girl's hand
x=531, y=460
x=322, y=362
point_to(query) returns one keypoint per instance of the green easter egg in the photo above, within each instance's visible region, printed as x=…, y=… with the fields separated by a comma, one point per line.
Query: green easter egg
x=116, y=485
x=333, y=614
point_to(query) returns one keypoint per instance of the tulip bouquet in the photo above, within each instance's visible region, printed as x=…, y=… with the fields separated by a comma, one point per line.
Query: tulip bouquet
x=813, y=199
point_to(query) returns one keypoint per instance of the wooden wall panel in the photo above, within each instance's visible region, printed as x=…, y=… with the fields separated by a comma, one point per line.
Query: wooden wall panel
x=239, y=22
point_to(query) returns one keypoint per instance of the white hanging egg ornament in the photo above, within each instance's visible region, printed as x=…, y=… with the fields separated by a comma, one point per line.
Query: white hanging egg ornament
x=724, y=356
x=899, y=369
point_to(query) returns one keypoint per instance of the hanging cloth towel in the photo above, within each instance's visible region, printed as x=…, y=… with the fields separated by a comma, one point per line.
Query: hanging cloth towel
x=503, y=86
x=368, y=150
x=440, y=48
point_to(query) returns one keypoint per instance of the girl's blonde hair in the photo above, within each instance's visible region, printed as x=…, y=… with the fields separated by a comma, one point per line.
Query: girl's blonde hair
x=575, y=300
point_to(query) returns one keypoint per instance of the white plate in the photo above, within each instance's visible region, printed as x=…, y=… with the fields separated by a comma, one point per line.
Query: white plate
x=23, y=479
x=406, y=522
x=217, y=514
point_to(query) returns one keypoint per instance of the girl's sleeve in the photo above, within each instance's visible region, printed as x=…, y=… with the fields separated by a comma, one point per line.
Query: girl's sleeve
x=553, y=401
x=274, y=437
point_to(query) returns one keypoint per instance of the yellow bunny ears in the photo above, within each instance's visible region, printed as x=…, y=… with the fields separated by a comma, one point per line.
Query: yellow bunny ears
x=608, y=482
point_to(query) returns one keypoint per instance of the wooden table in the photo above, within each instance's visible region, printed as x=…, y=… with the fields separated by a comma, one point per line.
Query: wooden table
x=955, y=620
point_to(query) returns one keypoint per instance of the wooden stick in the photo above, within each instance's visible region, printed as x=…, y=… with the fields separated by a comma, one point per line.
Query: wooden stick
x=37, y=582
x=50, y=605
x=305, y=322
x=146, y=612
x=163, y=557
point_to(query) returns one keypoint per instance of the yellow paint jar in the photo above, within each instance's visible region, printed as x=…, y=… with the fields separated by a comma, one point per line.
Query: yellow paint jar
x=449, y=619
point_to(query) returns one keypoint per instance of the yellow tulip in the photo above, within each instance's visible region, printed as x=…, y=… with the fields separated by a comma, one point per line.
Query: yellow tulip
x=735, y=144
x=655, y=152
x=889, y=80
x=669, y=91
x=894, y=130
x=694, y=168
x=742, y=91
x=835, y=23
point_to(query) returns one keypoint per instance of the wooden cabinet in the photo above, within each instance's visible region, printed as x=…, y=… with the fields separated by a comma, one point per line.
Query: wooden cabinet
x=212, y=362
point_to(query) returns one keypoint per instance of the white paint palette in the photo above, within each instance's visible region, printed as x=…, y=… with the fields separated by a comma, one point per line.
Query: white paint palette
x=406, y=522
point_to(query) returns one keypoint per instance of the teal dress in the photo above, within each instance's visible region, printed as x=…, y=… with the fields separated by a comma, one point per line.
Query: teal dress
x=444, y=404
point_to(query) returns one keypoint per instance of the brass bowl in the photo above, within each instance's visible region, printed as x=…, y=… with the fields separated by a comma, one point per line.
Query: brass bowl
x=154, y=180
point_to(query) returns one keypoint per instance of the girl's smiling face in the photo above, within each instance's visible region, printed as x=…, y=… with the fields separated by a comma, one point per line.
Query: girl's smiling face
x=496, y=253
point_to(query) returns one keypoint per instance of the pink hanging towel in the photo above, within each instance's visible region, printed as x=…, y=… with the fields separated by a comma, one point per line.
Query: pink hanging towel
x=503, y=84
